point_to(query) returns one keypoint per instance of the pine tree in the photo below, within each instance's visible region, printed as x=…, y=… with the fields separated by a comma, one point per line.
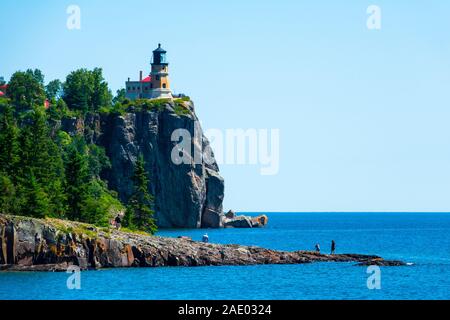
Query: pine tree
x=8, y=199
x=36, y=203
x=40, y=155
x=139, y=210
x=76, y=185
x=9, y=148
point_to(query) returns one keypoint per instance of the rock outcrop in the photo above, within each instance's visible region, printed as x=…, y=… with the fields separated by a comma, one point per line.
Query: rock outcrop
x=187, y=195
x=233, y=221
x=28, y=244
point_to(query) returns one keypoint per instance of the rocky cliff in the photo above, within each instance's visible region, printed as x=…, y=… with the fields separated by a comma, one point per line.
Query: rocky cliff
x=188, y=195
x=28, y=244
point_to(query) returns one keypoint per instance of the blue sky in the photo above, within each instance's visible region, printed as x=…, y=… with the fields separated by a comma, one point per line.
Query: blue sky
x=363, y=114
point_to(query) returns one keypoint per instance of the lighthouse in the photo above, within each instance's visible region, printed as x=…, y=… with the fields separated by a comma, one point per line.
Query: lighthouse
x=160, y=74
x=156, y=85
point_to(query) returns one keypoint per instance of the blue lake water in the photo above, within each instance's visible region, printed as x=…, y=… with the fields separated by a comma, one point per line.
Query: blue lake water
x=419, y=238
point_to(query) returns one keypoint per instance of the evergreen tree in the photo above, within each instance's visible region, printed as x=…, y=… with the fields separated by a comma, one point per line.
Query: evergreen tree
x=9, y=148
x=40, y=155
x=98, y=160
x=8, y=199
x=101, y=96
x=44, y=172
x=139, y=210
x=120, y=96
x=127, y=220
x=53, y=89
x=100, y=205
x=37, y=75
x=36, y=203
x=89, y=199
x=58, y=109
x=77, y=180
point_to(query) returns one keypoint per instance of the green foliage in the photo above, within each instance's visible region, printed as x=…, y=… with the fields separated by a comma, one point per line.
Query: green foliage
x=135, y=106
x=41, y=159
x=97, y=160
x=9, y=158
x=89, y=199
x=37, y=75
x=8, y=200
x=100, y=205
x=139, y=214
x=116, y=109
x=128, y=219
x=9, y=147
x=26, y=90
x=154, y=104
x=45, y=172
x=53, y=89
x=185, y=98
x=63, y=139
x=120, y=96
x=86, y=91
x=77, y=179
x=36, y=204
x=180, y=108
x=59, y=110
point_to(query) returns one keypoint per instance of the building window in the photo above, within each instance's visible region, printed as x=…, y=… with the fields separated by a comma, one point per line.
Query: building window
x=157, y=78
x=164, y=85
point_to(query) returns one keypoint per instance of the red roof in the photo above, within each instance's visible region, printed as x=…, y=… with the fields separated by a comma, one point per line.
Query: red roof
x=148, y=79
x=1, y=94
x=3, y=87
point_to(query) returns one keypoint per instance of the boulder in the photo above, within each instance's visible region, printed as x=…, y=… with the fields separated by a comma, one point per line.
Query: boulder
x=230, y=214
x=260, y=221
x=245, y=221
x=239, y=222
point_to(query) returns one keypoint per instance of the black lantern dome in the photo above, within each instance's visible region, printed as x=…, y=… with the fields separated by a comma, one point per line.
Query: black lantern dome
x=159, y=56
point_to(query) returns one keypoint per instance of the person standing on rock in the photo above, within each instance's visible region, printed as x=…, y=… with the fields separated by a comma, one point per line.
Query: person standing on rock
x=333, y=246
x=205, y=238
x=317, y=248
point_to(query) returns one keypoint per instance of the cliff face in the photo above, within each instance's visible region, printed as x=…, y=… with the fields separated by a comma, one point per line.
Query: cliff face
x=186, y=195
x=28, y=244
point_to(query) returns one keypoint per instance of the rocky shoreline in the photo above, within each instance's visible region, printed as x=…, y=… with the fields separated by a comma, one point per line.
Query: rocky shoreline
x=28, y=244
